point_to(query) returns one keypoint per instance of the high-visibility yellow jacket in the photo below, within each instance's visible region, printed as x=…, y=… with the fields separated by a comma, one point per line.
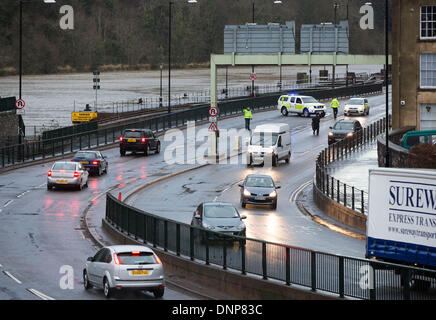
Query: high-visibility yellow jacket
x=248, y=114
x=334, y=103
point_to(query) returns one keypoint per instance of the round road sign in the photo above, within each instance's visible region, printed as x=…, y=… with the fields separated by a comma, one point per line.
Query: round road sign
x=252, y=76
x=213, y=111
x=20, y=104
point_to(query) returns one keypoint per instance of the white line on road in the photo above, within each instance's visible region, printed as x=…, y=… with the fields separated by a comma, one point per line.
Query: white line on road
x=40, y=294
x=11, y=276
x=8, y=203
x=22, y=194
x=297, y=191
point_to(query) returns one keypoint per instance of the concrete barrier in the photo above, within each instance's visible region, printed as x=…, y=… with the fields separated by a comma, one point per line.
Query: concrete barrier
x=233, y=284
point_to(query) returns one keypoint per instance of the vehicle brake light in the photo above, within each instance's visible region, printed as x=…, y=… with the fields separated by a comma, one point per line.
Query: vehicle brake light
x=76, y=174
x=143, y=140
x=95, y=162
x=116, y=260
x=157, y=259
x=49, y=173
x=135, y=253
x=121, y=139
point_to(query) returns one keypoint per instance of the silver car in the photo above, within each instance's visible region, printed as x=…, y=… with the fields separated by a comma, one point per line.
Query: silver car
x=66, y=173
x=125, y=267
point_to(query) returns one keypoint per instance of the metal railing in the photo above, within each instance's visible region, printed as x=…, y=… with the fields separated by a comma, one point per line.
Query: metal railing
x=341, y=275
x=59, y=146
x=346, y=195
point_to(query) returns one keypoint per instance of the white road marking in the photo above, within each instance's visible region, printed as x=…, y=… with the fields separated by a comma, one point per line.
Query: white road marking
x=22, y=194
x=11, y=276
x=40, y=294
x=297, y=191
x=8, y=203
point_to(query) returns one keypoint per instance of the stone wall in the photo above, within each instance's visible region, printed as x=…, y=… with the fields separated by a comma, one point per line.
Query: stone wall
x=9, y=124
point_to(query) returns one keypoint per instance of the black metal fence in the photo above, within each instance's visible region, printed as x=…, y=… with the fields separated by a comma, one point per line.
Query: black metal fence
x=341, y=275
x=344, y=194
x=36, y=150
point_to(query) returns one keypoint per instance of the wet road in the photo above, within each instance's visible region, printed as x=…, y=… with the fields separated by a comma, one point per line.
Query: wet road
x=41, y=231
x=220, y=183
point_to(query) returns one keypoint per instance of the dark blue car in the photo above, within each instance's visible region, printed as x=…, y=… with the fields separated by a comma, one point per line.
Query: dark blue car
x=93, y=161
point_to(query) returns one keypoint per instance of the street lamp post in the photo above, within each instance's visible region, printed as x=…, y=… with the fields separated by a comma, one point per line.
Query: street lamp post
x=387, y=155
x=169, y=56
x=160, y=95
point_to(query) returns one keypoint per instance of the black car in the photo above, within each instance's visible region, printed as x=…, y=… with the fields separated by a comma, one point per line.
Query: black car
x=344, y=129
x=220, y=217
x=139, y=140
x=93, y=161
x=259, y=189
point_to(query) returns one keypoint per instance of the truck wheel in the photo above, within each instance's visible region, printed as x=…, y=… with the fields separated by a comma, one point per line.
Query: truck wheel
x=306, y=113
x=288, y=159
x=284, y=111
x=275, y=160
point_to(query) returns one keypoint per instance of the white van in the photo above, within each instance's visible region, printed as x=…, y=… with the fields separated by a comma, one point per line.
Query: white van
x=271, y=141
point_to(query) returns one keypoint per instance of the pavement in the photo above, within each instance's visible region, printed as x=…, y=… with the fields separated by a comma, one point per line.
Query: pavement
x=352, y=170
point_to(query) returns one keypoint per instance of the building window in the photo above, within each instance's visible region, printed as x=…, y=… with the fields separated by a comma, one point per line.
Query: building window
x=428, y=70
x=428, y=22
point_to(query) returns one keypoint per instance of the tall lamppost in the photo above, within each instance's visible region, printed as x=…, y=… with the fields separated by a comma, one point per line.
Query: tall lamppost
x=387, y=154
x=160, y=95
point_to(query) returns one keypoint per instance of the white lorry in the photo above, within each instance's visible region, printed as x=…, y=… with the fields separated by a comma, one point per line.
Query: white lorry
x=269, y=142
x=401, y=222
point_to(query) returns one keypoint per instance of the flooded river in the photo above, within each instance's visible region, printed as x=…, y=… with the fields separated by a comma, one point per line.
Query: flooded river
x=50, y=99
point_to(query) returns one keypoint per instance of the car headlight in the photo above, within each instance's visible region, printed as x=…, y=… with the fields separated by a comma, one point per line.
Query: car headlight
x=241, y=226
x=349, y=134
x=207, y=226
x=273, y=194
x=330, y=134
x=247, y=193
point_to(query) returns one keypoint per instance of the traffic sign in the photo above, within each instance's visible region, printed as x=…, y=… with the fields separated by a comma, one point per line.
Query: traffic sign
x=20, y=104
x=213, y=111
x=213, y=119
x=252, y=76
x=213, y=127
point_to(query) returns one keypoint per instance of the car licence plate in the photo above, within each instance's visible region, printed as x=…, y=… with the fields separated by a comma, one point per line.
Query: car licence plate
x=61, y=181
x=139, y=272
x=260, y=198
x=84, y=162
x=131, y=140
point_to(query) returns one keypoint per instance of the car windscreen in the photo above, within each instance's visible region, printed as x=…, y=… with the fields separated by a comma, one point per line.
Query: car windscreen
x=355, y=102
x=309, y=100
x=136, y=258
x=264, y=182
x=264, y=139
x=85, y=155
x=220, y=211
x=344, y=126
x=64, y=166
x=132, y=134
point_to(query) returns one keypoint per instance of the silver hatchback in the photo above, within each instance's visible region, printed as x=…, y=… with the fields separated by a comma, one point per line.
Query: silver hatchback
x=65, y=173
x=125, y=267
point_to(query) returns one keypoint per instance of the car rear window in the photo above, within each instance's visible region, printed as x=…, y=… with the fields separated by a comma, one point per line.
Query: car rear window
x=64, y=166
x=344, y=126
x=85, y=155
x=136, y=258
x=133, y=134
x=220, y=211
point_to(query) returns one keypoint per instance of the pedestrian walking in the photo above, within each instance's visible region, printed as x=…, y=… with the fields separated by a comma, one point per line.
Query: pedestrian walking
x=248, y=115
x=315, y=124
x=335, y=105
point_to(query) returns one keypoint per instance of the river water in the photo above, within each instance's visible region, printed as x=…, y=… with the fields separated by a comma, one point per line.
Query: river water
x=50, y=99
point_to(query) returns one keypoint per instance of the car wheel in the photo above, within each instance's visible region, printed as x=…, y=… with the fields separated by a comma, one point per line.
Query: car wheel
x=288, y=159
x=274, y=205
x=99, y=171
x=86, y=284
x=275, y=160
x=306, y=113
x=159, y=292
x=49, y=187
x=284, y=111
x=107, y=290
x=80, y=186
x=158, y=148
x=122, y=153
x=243, y=204
x=105, y=169
x=147, y=150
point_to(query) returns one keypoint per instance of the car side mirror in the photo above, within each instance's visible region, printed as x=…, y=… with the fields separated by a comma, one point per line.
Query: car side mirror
x=243, y=217
x=331, y=127
x=240, y=185
x=278, y=187
x=90, y=259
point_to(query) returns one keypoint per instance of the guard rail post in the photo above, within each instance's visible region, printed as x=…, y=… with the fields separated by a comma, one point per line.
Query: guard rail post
x=341, y=277
x=264, y=266
x=288, y=266
x=362, y=202
x=178, y=239
x=224, y=257
x=166, y=236
x=191, y=243
x=207, y=251
x=352, y=198
x=313, y=270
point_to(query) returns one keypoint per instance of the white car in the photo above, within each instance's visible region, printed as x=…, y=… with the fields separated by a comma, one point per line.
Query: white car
x=358, y=106
x=125, y=267
x=67, y=173
x=301, y=105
